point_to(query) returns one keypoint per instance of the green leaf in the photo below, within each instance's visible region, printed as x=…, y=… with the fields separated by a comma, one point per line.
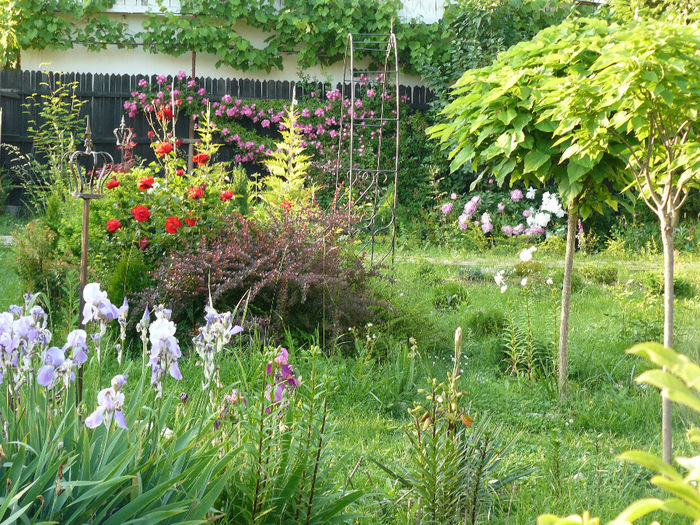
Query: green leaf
x=534, y=159
x=639, y=509
x=507, y=115
x=466, y=154
x=571, y=150
x=682, y=490
x=651, y=462
x=575, y=171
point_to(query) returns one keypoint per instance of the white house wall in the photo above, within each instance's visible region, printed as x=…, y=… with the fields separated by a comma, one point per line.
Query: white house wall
x=139, y=61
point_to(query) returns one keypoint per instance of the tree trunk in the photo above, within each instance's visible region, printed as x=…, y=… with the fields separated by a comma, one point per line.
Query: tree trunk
x=667, y=241
x=563, y=365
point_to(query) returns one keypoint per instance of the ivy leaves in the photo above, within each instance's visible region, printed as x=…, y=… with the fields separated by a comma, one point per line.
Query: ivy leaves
x=314, y=29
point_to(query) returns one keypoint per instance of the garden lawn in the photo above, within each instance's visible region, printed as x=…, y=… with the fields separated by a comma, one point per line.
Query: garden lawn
x=568, y=449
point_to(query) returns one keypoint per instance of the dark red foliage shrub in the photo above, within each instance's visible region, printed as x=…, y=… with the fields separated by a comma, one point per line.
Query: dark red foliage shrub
x=299, y=270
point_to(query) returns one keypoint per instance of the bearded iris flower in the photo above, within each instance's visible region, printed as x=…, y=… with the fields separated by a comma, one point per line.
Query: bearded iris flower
x=56, y=367
x=97, y=306
x=165, y=350
x=76, y=340
x=110, y=402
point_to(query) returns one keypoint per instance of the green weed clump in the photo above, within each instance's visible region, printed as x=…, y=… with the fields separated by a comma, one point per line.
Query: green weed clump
x=653, y=282
x=554, y=246
x=524, y=269
x=130, y=275
x=475, y=275
x=41, y=264
x=600, y=274
x=427, y=272
x=449, y=295
x=577, y=282
x=486, y=323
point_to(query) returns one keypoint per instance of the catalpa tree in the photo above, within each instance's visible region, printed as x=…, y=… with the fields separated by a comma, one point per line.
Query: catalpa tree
x=501, y=118
x=641, y=100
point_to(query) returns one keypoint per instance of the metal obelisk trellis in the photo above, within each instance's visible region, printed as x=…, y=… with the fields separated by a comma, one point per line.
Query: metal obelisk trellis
x=370, y=187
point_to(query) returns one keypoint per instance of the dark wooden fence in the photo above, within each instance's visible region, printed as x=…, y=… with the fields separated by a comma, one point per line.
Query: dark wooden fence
x=105, y=96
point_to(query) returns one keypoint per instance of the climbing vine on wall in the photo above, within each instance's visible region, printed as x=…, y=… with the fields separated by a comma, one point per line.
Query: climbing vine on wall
x=313, y=29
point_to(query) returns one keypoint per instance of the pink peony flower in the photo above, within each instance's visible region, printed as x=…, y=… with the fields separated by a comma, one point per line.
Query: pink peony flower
x=470, y=209
x=446, y=208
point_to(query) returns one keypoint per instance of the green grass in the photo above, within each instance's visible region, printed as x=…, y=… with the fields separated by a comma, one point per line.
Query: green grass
x=10, y=289
x=569, y=446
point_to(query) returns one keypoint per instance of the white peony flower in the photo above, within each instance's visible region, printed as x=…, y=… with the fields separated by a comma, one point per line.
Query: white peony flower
x=526, y=254
x=542, y=219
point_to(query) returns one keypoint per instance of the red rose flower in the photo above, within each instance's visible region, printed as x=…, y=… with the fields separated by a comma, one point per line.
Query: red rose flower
x=140, y=213
x=113, y=225
x=196, y=192
x=178, y=142
x=200, y=159
x=172, y=224
x=145, y=183
x=143, y=243
x=180, y=172
x=163, y=148
x=226, y=195
x=151, y=134
x=165, y=114
x=191, y=222
x=112, y=184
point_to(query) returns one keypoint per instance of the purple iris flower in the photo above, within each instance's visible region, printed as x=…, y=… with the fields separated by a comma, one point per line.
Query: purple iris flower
x=110, y=402
x=55, y=363
x=16, y=310
x=165, y=351
x=76, y=340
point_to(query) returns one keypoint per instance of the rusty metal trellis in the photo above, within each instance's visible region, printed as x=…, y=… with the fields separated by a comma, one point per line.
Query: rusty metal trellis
x=370, y=189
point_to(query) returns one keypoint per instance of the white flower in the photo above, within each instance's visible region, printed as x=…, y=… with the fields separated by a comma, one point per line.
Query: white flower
x=542, y=219
x=523, y=282
x=165, y=351
x=549, y=281
x=551, y=204
x=93, y=294
x=97, y=305
x=531, y=193
x=526, y=254
x=500, y=280
x=161, y=329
